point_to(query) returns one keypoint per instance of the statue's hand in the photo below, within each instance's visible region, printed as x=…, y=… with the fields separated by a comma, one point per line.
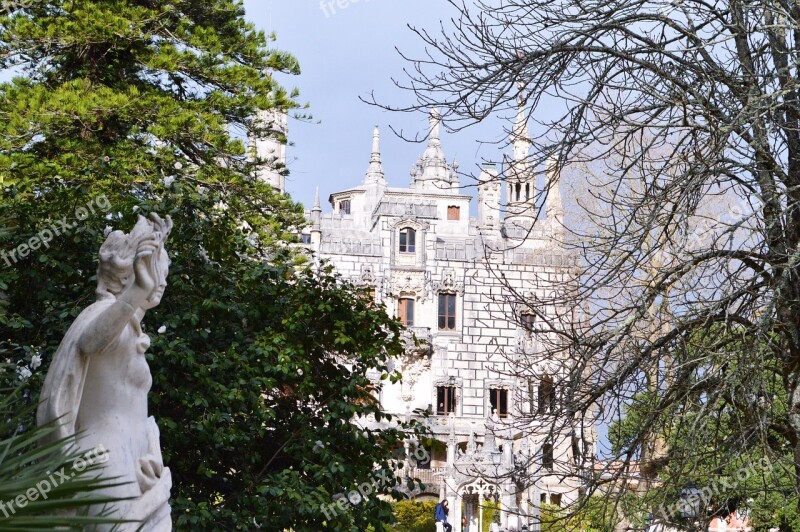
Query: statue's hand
x=145, y=270
x=148, y=471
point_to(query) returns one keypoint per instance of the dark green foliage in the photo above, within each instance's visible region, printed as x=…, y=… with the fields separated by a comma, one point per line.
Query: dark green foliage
x=729, y=443
x=131, y=107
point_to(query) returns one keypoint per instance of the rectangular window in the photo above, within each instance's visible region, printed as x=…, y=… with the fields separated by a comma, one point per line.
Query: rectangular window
x=555, y=499
x=547, y=396
x=408, y=239
x=547, y=456
x=425, y=454
x=453, y=212
x=305, y=239
x=528, y=321
x=498, y=399
x=344, y=207
x=445, y=400
x=405, y=311
x=447, y=312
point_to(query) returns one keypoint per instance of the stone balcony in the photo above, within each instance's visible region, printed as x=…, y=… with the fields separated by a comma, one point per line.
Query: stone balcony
x=423, y=336
x=432, y=478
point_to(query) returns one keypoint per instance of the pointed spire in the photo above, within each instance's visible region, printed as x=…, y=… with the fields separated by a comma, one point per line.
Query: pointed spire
x=317, y=206
x=435, y=121
x=375, y=171
x=432, y=171
x=316, y=213
x=520, y=137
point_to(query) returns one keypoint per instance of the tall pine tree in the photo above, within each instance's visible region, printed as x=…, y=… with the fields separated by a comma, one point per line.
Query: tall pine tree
x=125, y=107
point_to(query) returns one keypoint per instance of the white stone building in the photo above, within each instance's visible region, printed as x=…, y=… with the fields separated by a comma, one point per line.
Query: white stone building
x=440, y=272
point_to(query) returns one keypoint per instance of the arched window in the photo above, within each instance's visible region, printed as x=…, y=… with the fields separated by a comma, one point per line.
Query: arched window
x=527, y=191
x=517, y=190
x=408, y=240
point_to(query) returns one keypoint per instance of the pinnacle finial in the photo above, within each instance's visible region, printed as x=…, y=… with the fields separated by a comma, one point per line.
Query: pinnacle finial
x=317, y=205
x=376, y=144
x=520, y=136
x=435, y=121
x=375, y=171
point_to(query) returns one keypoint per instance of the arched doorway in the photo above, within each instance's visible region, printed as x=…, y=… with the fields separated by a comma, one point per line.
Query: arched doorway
x=474, y=496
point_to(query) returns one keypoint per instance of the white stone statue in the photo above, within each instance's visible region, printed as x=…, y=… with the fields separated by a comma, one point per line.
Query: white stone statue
x=98, y=381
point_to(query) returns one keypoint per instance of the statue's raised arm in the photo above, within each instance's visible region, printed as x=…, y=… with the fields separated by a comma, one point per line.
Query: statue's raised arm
x=98, y=382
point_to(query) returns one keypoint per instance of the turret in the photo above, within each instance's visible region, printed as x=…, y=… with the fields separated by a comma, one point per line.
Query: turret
x=553, y=206
x=519, y=176
x=269, y=147
x=316, y=222
x=432, y=171
x=489, y=198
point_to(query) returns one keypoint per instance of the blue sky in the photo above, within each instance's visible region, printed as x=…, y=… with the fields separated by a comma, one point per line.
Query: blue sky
x=345, y=53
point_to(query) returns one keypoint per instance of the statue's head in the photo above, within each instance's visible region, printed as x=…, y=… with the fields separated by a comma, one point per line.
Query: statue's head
x=115, y=272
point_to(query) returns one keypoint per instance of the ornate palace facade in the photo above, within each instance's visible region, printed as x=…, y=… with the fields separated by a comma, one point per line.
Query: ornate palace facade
x=446, y=276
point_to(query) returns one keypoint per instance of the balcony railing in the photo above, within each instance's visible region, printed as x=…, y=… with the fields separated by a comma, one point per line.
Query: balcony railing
x=432, y=478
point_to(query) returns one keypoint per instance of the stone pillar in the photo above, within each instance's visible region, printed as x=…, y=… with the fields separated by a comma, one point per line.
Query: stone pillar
x=452, y=501
x=455, y=507
x=480, y=511
x=452, y=444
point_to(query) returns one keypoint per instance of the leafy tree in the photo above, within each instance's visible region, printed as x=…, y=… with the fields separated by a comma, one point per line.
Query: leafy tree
x=752, y=475
x=260, y=361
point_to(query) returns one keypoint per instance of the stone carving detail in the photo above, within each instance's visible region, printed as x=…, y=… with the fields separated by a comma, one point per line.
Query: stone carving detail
x=409, y=282
x=449, y=283
x=367, y=277
x=415, y=361
x=413, y=367
x=98, y=382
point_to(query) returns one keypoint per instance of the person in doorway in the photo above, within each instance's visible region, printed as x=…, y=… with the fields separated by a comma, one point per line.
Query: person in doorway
x=440, y=515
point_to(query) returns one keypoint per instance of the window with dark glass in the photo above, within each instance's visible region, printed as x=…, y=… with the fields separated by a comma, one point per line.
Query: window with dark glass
x=344, y=206
x=405, y=311
x=425, y=454
x=447, y=312
x=555, y=499
x=528, y=322
x=547, y=396
x=408, y=239
x=445, y=400
x=547, y=456
x=453, y=212
x=305, y=239
x=498, y=399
